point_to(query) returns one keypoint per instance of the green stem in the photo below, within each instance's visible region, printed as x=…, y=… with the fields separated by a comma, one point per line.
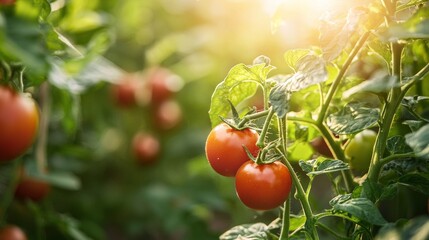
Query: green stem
x=249, y=117
x=388, y=114
x=396, y=157
x=335, y=84
x=284, y=233
x=310, y=222
x=261, y=140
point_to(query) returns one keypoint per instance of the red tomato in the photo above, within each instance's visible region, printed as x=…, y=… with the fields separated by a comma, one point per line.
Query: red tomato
x=167, y=115
x=146, y=148
x=19, y=122
x=162, y=84
x=11, y=232
x=124, y=92
x=32, y=188
x=225, y=151
x=263, y=186
x=7, y=2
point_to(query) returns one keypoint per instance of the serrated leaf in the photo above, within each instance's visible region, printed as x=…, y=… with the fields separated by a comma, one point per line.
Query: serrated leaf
x=296, y=222
x=412, y=101
x=279, y=99
x=335, y=34
x=255, y=231
x=378, y=84
x=318, y=166
x=361, y=208
x=419, y=141
x=293, y=56
x=417, y=181
x=240, y=83
x=353, y=118
x=311, y=69
x=397, y=145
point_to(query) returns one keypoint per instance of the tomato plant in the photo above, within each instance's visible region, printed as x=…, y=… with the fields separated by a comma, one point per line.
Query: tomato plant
x=12, y=232
x=225, y=148
x=359, y=150
x=19, y=121
x=146, y=148
x=344, y=91
x=263, y=186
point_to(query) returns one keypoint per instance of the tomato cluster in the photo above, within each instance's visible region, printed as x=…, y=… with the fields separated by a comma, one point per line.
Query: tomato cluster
x=258, y=186
x=155, y=89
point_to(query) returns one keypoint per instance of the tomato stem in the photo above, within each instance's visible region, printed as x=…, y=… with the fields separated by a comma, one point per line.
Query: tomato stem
x=284, y=233
x=261, y=140
x=310, y=221
x=9, y=193
x=249, y=117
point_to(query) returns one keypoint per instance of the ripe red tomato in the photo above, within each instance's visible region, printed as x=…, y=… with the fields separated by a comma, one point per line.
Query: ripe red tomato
x=146, y=148
x=167, y=115
x=162, y=84
x=263, y=186
x=319, y=145
x=124, y=92
x=32, y=188
x=7, y=2
x=12, y=232
x=19, y=122
x=224, y=148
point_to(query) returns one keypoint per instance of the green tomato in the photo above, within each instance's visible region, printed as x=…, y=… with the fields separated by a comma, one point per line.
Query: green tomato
x=359, y=150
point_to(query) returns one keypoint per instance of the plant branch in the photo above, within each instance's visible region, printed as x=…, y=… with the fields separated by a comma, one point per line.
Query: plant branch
x=43, y=130
x=261, y=140
x=284, y=233
x=393, y=157
x=343, y=70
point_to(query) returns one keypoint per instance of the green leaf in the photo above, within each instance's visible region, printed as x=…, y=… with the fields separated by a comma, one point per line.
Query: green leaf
x=311, y=69
x=293, y=56
x=361, y=208
x=255, y=231
x=322, y=166
x=279, y=99
x=397, y=145
x=335, y=34
x=353, y=118
x=23, y=41
x=419, y=141
x=375, y=191
x=416, y=228
x=296, y=222
x=241, y=83
x=416, y=27
x=378, y=84
x=417, y=181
